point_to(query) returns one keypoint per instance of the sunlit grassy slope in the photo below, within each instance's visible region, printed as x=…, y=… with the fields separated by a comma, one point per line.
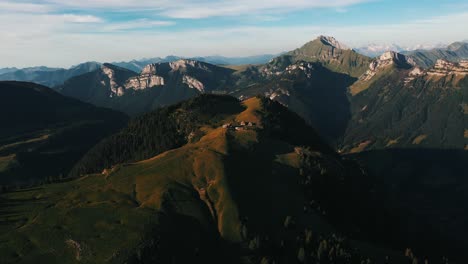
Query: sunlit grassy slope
x=258, y=173
x=99, y=217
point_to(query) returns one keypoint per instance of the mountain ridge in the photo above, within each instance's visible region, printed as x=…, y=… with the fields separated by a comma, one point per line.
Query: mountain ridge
x=44, y=133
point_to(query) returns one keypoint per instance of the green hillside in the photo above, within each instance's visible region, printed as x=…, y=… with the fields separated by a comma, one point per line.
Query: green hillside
x=264, y=188
x=400, y=111
x=337, y=59
x=44, y=133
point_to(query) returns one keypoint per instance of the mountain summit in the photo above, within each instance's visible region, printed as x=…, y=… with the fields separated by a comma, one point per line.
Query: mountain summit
x=333, y=55
x=331, y=41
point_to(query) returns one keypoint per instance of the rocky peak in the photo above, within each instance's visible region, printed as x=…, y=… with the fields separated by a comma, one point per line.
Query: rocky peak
x=331, y=41
x=392, y=57
x=389, y=58
x=443, y=67
x=186, y=63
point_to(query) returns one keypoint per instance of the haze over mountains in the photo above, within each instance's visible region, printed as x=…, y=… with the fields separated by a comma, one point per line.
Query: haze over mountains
x=317, y=155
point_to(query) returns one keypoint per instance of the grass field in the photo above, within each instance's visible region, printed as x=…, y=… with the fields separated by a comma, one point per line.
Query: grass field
x=68, y=222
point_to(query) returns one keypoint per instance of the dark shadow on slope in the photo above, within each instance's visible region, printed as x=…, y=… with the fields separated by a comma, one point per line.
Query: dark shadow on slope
x=179, y=239
x=326, y=98
x=427, y=189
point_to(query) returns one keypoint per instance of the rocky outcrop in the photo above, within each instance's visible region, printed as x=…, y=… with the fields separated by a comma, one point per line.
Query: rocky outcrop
x=155, y=75
x=443, y=68
x=387, y=59
x=184, y=63
x=331, y=41
x=148, y=78
x=115, y=87
x=193, y=83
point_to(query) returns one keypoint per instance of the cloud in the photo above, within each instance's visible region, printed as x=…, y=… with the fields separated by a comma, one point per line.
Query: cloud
x=136, y=24
x=197, y=9
x=71, y=18
x=8, y=6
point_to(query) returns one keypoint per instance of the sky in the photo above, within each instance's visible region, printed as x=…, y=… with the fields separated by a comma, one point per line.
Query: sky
x=62, y=33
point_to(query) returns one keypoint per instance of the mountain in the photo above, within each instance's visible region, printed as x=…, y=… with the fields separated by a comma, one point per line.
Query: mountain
x=157, y=85
x=138, y=65
x=332, y=54
x=394, y=104
x=404, y=106
x=312, y=81
x=44, y=133
x=316, y=93
x=99, y=85
x=349, y=98
x=48, y=76
x=381, y=66
x=253, y=184
x=7, y=70
x=427, y=58
x=221, y=60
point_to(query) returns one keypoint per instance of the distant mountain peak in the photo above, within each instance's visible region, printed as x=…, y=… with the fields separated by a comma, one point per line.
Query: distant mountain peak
x=445, y=67
x=457, y=45
x=387, y=59
x=185, y=63
x=331, y=41
x=392, y=58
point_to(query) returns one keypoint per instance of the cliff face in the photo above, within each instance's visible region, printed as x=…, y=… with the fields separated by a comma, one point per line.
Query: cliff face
x=148, y=78
x=443, y=67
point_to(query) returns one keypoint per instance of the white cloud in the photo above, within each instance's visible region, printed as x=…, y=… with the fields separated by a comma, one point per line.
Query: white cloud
x=195, y=9
x=136, y=24
x=71, y=18
x=9, y=6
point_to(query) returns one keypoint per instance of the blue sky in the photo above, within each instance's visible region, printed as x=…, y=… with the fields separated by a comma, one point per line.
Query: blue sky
x=66, y=32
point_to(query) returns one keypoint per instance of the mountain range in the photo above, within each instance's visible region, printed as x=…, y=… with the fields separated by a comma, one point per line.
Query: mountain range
x=52, y=77
x=47, y=76
x=322, y=79
x=427, y=58
x=318, y=155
